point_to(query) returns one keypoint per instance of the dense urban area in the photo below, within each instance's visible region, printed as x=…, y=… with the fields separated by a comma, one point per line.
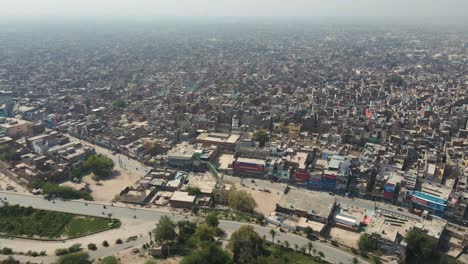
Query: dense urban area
x=233, y=143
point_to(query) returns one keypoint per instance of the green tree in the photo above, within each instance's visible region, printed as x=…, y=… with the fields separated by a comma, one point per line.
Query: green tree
x=355, y=260
x=246, y=245
x=109, y=260
x=207, y=254
x=421, y=248
x=100, y=165
x=205, y=232
x=273, y=234
x=120, y=103
x=10, y=260
x=10, y=155
x=185, y=229
x=165, y=230
x=242, y=201
x=397, y=80
x=193, y=190
x=76, y=258
x=365, y=243
x=212, y=219
x=261, y=136
x=286, y=244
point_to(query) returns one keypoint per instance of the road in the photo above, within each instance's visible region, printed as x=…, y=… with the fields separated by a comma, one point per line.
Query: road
x=119, y=159
x=136, y=221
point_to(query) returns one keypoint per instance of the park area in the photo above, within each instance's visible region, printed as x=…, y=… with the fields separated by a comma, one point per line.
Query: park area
x=28, y=222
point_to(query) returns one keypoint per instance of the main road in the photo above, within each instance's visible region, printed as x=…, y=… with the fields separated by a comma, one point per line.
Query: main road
x=136, y=222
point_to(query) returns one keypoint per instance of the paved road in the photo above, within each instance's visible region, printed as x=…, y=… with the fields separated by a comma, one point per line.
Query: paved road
x=127, y=163
x=146, y=220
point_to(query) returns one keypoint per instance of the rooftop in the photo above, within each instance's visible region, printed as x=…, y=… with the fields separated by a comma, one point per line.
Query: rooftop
x=314, y=203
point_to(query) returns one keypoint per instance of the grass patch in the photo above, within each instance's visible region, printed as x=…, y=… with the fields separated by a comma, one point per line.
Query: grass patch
x=84, y=225
x=280, y=255
x=26, y=221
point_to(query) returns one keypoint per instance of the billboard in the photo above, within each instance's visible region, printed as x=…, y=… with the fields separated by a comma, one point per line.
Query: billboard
x=247, y=167
x=301, y=175
x=428, y=204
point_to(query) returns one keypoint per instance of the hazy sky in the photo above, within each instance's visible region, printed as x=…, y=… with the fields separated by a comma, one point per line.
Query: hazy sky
x=78, y=9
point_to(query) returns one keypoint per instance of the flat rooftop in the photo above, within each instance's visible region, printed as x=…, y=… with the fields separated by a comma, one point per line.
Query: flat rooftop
x=314, y=203
x=388, y=224
x=219, y=137
x=251, y=161
x=183, y=197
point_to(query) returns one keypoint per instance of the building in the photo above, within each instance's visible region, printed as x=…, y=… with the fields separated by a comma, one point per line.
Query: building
x=432, y=198
x=316, y=206
x=181, y=156
x=388, y=228
x=249, y=167
x=182, y=200
x=221, y=192
x=15, y=128
x=226, y=142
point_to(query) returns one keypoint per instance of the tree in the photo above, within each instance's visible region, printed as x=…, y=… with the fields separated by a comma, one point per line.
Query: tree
x=246, y=245
x=100, y=165
x=207, y=254
x=105, y=243
x=261, y=136
x=10, y=260
x=273, y=234
x=109, y=260
x=397, y=80
x=165, y=230
x=76, y=258
x=92, y=246
x=355, y=260
x=320, y=253
x=421, y=248
x=310, y=246
x=186, y=230
x=286, y=244
x=296, y=247
x=365, y=243
x=205, y=232
x=212, y=219
x=10, y=155
x=193, y=190
x=120, y=103
x=241, y=200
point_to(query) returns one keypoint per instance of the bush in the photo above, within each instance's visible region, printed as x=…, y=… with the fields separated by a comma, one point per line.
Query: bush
x=119, y=241
x=193, y=190
x=61, y=251
x=74, y=248
x=109, y=260
x=92, y=246
x=105, y=243
x=81, y=258
x=7, y=251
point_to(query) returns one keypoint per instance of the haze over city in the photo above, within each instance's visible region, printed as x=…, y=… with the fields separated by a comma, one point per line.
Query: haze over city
x=448, y=11
x=234, y=132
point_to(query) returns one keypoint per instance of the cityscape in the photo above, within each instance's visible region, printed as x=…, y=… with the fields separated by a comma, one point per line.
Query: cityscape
x=253, y=141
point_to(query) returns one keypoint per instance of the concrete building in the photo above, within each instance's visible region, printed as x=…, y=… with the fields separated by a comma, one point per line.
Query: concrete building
x=226, y=142
x=314, y=206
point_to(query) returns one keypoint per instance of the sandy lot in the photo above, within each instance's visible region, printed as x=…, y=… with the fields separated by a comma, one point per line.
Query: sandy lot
x=266, y=202
x=345, y=237
x=106, y=190
x=6, y=182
